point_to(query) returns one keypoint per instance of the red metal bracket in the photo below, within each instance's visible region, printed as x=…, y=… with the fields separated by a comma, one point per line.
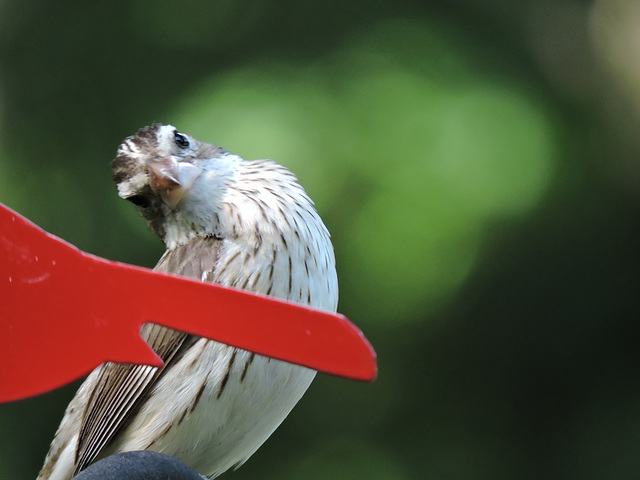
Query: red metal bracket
x=63, y=312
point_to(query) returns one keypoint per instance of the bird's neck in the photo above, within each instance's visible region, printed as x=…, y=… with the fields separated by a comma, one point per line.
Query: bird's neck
x=255, y=199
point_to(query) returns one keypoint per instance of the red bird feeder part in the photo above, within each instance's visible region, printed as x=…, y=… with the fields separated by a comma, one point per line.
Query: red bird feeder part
x=63, y=312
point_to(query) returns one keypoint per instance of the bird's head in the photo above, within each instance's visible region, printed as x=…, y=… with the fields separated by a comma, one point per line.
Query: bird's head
x=171, y=177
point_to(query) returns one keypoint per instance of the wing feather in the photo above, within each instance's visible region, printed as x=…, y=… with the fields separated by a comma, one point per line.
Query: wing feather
x=121, y=389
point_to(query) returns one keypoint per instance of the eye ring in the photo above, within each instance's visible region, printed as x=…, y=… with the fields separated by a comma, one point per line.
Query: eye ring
x=181, y=140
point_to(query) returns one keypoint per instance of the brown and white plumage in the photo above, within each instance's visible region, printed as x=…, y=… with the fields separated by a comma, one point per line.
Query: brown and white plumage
x=246, y=224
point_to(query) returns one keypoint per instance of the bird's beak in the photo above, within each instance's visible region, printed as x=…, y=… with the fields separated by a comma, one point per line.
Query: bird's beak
x=172, y=179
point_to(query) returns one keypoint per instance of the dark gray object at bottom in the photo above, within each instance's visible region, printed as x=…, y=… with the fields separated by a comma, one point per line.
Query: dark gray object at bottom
x=143, y=465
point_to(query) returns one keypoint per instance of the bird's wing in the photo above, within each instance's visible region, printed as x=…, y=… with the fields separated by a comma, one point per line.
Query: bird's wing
x=120, y=389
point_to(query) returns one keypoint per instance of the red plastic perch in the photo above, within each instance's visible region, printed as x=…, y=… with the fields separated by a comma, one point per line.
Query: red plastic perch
x=63, y=312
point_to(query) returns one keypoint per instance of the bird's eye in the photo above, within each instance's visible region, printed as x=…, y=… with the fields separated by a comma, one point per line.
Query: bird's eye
x=139, y=201
x=180, y=139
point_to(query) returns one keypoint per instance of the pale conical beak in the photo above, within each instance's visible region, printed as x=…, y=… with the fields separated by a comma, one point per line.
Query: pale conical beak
x=171, y=178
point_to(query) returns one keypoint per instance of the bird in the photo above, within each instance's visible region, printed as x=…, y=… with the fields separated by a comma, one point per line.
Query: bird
x=239, y=223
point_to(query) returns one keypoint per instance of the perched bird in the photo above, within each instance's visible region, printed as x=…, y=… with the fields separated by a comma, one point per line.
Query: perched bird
x=238, y=223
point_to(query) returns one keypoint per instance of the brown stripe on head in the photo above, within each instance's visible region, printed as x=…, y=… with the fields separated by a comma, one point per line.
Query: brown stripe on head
x=124, y=168
x=129, y=160
x=146, y=138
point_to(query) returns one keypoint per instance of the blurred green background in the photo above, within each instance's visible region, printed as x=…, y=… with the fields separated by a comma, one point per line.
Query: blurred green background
x=477, y=162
